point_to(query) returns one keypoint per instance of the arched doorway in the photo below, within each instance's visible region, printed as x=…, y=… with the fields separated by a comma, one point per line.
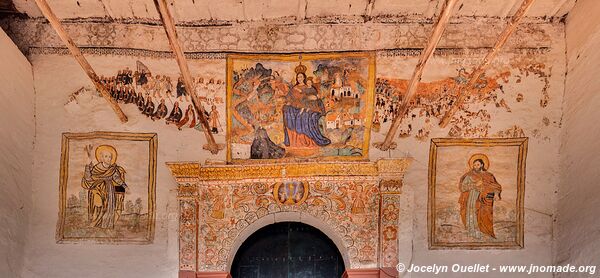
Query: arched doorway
x=287, y=250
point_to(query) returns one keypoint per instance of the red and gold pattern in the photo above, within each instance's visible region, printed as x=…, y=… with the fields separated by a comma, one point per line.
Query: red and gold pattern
x=221, y=201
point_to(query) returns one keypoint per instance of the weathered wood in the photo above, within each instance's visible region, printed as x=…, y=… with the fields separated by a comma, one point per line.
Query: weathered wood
x=434, y=39
x=464, y=91
x=169, y=24
x=369, y=9
x=76, y=53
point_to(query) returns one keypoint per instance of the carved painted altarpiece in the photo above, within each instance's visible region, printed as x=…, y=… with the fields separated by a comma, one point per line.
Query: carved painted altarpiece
x=355, y=203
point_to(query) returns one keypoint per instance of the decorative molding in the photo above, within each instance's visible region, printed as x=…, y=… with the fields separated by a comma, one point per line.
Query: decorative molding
x=345, y=196
x=191, y=170
x=401, y=52
x=362, y=273
x=213, y=274
x=273, y=38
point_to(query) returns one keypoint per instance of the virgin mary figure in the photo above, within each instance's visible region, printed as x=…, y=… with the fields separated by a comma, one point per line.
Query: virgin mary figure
x=302, y=113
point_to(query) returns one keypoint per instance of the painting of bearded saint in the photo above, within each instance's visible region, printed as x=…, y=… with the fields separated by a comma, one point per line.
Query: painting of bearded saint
x=476, y=189
x=105, y=183
x=479, y=189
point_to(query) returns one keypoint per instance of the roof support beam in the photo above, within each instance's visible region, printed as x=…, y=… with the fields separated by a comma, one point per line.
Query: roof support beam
x=434, y=39
x=464, y=91
x=76, y=53
x=369, y=9
x=302, y=7
x=169, y=24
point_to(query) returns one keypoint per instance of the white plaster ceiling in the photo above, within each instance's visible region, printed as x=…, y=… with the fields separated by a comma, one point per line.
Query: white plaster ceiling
x=255, y=10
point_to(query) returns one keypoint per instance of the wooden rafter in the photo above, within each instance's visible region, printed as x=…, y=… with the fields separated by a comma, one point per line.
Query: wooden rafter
x=464, y=91
x=302, y=7
x=76, y=53
x=434, y=39
x=369, y=9
x=169, y=24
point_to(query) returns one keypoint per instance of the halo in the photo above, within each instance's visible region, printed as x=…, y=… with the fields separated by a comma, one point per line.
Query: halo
x=108, y=148
x=486, y=160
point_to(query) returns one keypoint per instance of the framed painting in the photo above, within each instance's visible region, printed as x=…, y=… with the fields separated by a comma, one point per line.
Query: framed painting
x=476, y=189
x=299, y=106
x=107, y=188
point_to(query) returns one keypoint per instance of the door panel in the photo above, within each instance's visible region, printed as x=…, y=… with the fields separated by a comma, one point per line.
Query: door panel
x=288, y=250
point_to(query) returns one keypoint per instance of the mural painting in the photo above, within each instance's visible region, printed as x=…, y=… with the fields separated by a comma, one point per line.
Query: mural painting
x=493, y=97
x=162, y=97
x=299, y=106
x=331, y=201
x=218, y=204
x=107, y=186
x=476, y=192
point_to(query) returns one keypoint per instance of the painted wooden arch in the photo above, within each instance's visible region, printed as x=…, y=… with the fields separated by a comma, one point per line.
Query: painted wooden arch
x=288, y=217
x=220, y=206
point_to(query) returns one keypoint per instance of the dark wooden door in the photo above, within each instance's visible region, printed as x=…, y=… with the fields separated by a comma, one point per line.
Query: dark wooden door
x=288, y=250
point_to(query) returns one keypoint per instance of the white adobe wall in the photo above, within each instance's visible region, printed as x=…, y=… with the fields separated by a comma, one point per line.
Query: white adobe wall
x=58, y=76
x=16, y=154
x=578, y=228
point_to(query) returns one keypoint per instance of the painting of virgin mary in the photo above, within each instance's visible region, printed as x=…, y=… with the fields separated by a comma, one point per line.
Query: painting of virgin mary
x=302, y=114
x=281, y=107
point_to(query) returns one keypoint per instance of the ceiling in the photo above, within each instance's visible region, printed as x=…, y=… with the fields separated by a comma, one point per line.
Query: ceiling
x=257, y=10
x=6, y=6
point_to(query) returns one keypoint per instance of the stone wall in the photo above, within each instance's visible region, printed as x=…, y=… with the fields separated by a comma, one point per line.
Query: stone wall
x=16, y=154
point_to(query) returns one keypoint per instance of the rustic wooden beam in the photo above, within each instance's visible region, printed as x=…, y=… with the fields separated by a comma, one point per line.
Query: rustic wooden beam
x=369, y=9
x=302, y=7
x=465, y=90
x=169, y=24
x=411, y=92
x=76, y=53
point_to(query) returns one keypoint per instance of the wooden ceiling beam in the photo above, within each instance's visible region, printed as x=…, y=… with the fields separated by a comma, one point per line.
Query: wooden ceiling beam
x=411, y=92
x=369, y=9
x=76, y=53
x=464, y=91
x=169, y=24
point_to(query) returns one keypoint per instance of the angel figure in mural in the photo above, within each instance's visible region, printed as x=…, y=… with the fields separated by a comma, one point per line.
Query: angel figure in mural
x=217, y=210
x=105, y=183
x=302, y=114
x=359, y=199
x=479, y=189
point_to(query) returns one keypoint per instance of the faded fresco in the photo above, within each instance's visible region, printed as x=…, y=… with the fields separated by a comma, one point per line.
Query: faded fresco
x=476, y=193
x=107, y=187
x=161, y=97
x=299, y=106
x=493, y=97
x=226, y=209
x=218, y=203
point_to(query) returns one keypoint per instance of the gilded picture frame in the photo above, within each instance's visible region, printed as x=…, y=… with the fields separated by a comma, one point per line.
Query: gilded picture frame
x=285, y=67
x=108, y=198
x=476, y=193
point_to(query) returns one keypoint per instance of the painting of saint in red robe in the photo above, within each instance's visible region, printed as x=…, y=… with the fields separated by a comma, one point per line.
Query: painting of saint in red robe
x=479, y=189
x=476, y=189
